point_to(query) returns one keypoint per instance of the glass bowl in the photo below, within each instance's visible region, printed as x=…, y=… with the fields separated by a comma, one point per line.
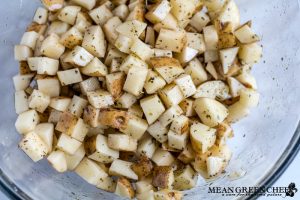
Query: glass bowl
x=264, y=143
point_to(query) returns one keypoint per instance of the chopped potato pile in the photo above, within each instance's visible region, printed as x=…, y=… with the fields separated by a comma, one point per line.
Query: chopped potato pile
x=136, y=97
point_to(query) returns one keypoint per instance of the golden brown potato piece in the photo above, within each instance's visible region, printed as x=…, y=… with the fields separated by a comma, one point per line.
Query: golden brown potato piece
x=143, y=167
x=114, y=118
x=226, y=36
x=66, y=123
x=187, y=155
x=24, y=68
x=38, y=28
x=163, y=177
x=115, y=83
x=90, y=115
x=124, y=188
x=90, y=145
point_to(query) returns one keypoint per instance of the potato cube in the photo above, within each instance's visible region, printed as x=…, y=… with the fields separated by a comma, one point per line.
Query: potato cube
x=122, y=168
x=162, y=157
x=136, y=110
x=95, y=68
x=136, y=127
x=147, y=195
x=137, y=11
x=87, y=4
x=186, y=85
x=121, y=11
x=177, y=140
x=47, y=66
x=122, y=142
x=110, y=29
x=68, y=14
x=143, y=167
x=180, y=124
x=196, y=71
x=171, y=95
x=97, y=149
x=66, y=123
x=247, y=79
x=126, y=100
x=171, y=40
x=60, y=103
x=185, y=179
x=186, y=54
x=199, y=20
x=158, y=12
x=88, y=85
x=245, y=35
x=46, y=132
x=22, y=52
x=77, y=106
x=132, y=29
x=51, y=47
x=114, y=83
x=210, y=68
x=123, y=43
x=147, y=146
x=158, y=131
x=80, y=130
x=227, y=57
x=196, y=41
x=21, y=102
x=170, y=22
x=250, y=53
x=21, y=82
x=69, y=77
x=79, y=57
x=162, y=53
x=141, y=49
x=100, y=98
x=202, y=137
x=54, y=116
x=135, y=80
x=90, y=171
x=235, y=86
x=124, y=188
x=211, y=37
x=114, y=118
x=74, y=160
x=144, y=185
x=115, y=65
x=101, y=15
x=154, y=82
x=163, y=177
x=94, y=41
x=168, y=68
x=150, y=37
x=72, y=38
x=187, y=155
x=214, y=166
x=29, y=39
x=58, y=27
x=27, y=121
x=152, y=108
x=49, y=86
x=38, y=101
x=168, y=195
x=68, y=144
x=33, y=146
x=41, y=15
x=58, y=161
x=182, y=9
x=132, y=61
x=169, y=115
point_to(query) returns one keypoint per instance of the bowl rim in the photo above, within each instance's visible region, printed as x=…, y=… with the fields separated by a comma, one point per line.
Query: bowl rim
x=14, y=192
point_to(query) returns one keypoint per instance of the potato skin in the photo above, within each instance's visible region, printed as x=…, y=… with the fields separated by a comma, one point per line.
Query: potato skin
x=126, y=183
x=161, y=176
x=143, y=167
x=114, y=118
x=163, y=61
x=66, y=123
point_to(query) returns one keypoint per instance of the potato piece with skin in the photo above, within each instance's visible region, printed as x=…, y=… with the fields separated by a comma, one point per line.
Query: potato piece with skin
x=245, y=35
x=176, y=140
x=124, y=188
x=135, y=80
x=163, y=177
x=158, y=12
x=57, y=27
x=60, y=103
x=132, y=61
x=147, y=195
x=186, y=85
x=235, y=86
x=90, y=171
x=147, y=146
x=46, y=132
x=185, y=179
x=171, y=95
x=153, y=82
x=141, y=49
x=101, y=15
x=110, y=29
x=114, y=118
x=58, y=161
x=169, y=115
x=196, y=71
x=167, y=194
x=132, y=28
x=170, y=22
x=199, y=20
x=72, y=38
x=68, y=14
x=224, y=131
x=150, y=36
x=144, y=185
x=87, y=4
x=171, y=40
x=249, y=98
x=202, y=137
x=162, y=157
x=49, y=86
x=114, y=83
x=95, y=68
x=22, y=52
x=137, y=11
x=182, y=9
x=27, y=121
x=68, y=144
x=136, y=110
x=24, y=68
x=69, y=77
x=46, y=65
x=247, y=80
x=100, y=98
x=121, y=11
x=38, y=101
x=211, y=56
x=143, y=167
x=79, y=57
x=158, y=131
x=136, y=127
x=21, y=82
x=236, y=112
x=214, y=90
x=66, y=123
x=80, y=130
x=211, y=112
x=33, y=146
x=187, y=155
x=51, y=47
x=77, y=106
x=122, y=168
x=21, y=102
x=54, y=116
x=187, y=107
x=94, y=41
x=210, y=37
x=122, y=142
x=152, y=108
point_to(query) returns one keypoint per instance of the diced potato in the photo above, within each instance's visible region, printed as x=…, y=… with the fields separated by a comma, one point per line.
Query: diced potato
x=49, y=86
x=58, y=27
x=110, y=29
x=69, y=77
x=158, y=131
x=77, y=106
x=123, y=43
x=210, y=37
x=107, y=184
x=53, y=5
x=51, y=47
x=180, y=124
x=196, y=71
x=94, y=68
x=115, y=65
x=210, y=68
x=100, y=98
x=72, y=38
x=54, y=116
x=171, y=40
x=150, y=36
x=21, y=82
x=166, y=194
x=163, y=177
x=158, y=12
x=122, y=168
x=24, y=68
x=250, y=53
x=185, y=179
x=22, y=52
x=214, y=166
x=79, y=57
x=202, y=137
x=236, y=112
x=170, y=22
x=247, y=79
x=90, y=171
x=38, y=28
x=41, y=15
x=187, y=107
x=114, y=118
x=211, y=112
x=224, y=131
x=141, y=49
x=114, y=83
x=97, y=149
x=29, y=39
x=162, y=157
x=94, y=41
x=121, y=11
x=186, y=85
x=45, y=131
x=68, y=144
x=68, y=14
x=137, y=11
x=171, y=95
x=195, y=41
x=58, y=161
x=124, y=188
x=147, y=146
x=46, y=65
x=82, y=22
x=33, y=146
x=122, y=142
x=245, y=35
x=211, y=56
x=144, y=185
x=186, y=54
x=200, y=20
x=235, y=86
x=135, y=80
x=132, y=29
x=249, y=98
x=152, y=108
x=38, y=101
x=154, y=82
x=74, y=160
x=187, y=155
x=177, y=140
x=88, y=4
x=227, y=57
x=147, y=195
x=100, y=15
x=126, y=100
x=230, y=13
x=136, y=110
x=169, y=115
x=136, y=127
x=88, y=85
x=21, y=102
x=132, y=61
x=214, y=90
x=143, y=167
x=182, y=9
x=80, y=130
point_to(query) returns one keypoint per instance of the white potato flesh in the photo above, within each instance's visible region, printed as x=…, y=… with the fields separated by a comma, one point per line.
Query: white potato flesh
x=38, y=101
x=126, y=100
x=45, y=131
x=90, y=115
x=21, y=82
x=29, y=39
x=235, y=86
x=196, y=41
x=210, y=111
x=170, y=22
x=22, y=52
x=199, y=20
x=121, y=11
x=49, y=86
x=136, y=127
x=247, y=80
x=246, y=35
x=196, y=71
x=144, y=185
x=123, y=43
x=153, y=82
x=47, y=66
x=214, y=165
x=88, y=4
x=211, y=37
x=68, y=14
x=202, y=137
x=141, y=49
x=210, y=68
x=185, y=179
x=171, y=40
x=95, y=68
x=80, y=130
x=68, y=144
x=132, y=61
x=136, y=110
x=124, y=188
x=162, y=157
x=186, y=85
x=135, y=80
x=187, y=107
x=177, y=141
x=41, y=15
x=94, y=41
x=166, y=193
x=250, y=53
x=230, y=13
x=158, y=131
x=21, y=101
x=211, y=56
x=77, y=105
x=72, y=38
x=122, y=168
x=33, y=146
x=227, y=57
x=100, y=98
x=147, y=146
x=101, y=15
x=214, y=90
x=132, y=29
x=122, y=142
x=58, y=161
x=152, y=108
x=107, y=184
x=171, y=95
x=186, y=54
x=162, y=53
x=58, y=27
x=69, y=77
x=88, y=85
x=169, y=115
x=180, y=124
x=147, y=195
x=158, y=12
x=236, y=112
x=249, y=98
x=79, y=57
x=110, y=29
x=51, y=47
x=90, y=171
x=150, y=36
x=182, y=9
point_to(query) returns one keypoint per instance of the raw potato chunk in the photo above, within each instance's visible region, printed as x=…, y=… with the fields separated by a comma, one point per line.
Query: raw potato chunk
x=154, y=82
x=250, y=53
x=141, y=49
x=33, y=146
x=245, y=35
x=49, y=86
x=144, y=185
x=107, y=184
x=230, y=13
x=150, y=36
x=90, y=171
x=110, y=29
x=41, y=15
x=171, y=95
x=54, y=116
x=132, y=29
x=132, y=61
x=162, y=157
x=158, y=131
x=135, y=80
x=22, y=52
x=94, y=41
x=247, y=79
x=121, y=11
x=126, y=100
x=152, y=108
x=46, y=132
x=69, y=77
x=196, y=71
x=214, y=165
x=88, y=4
x=95, y=68
x=236, y=112
x=158, y=12
x=29, y=39
x=123, y=43
x=89, y=85
x=68, y=144
x=180, y=124
x=170, y=22
x=211, y=56
x=46, y=65
x=38, y=101
x=163, y=177
x=202, y=137
x=53, y=5
x=185, y=179
x=143, y=167
x=122, y=142
x=147, y=146
x=100, y=15
x=66, y=123
x=136, y=127
x=249, y=98
x=210, y=37
x=168, y=68
x=114, y=83
x=168, y=195
x=58, y=161
x=60, y=103
x=79, y=57
x=100, y=98
x=186, y=85
x=227, y=57
x=196, y=41
x=186, y=54
x=72, y=38
x=21, y=82
x=187, y=155
x=214, y=90
x=122, y=168
x=211, y=112
x=171, y=40
x=124, y=188
x=58, y=28
x=68, y=14
x=136, y=110
x=51, y=47
x=77, y=106
x=199, y=20
x=97, y=149
x=147, y=195
x=235, y=86
x=169, y=115
x=21, y=102
x=187, y=107
x=80, y=130
x=177, y=140
x=210, y=68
